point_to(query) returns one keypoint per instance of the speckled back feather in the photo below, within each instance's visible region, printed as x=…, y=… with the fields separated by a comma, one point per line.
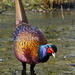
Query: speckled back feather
x=28, y=40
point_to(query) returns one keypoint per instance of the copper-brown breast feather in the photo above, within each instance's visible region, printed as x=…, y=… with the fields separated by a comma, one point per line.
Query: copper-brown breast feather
x=29, y=43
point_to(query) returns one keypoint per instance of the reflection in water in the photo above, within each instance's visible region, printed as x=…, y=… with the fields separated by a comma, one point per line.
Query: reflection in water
x=58, y=33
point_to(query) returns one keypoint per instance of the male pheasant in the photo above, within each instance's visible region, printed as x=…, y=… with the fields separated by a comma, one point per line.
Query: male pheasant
x=30, y=44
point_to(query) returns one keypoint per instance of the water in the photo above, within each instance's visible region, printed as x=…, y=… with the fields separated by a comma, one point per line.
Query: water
x=58, y=32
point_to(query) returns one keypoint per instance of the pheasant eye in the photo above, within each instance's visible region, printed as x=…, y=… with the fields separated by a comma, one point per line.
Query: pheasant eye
x=50, y=50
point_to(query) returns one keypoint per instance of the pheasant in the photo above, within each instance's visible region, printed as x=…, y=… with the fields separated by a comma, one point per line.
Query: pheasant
x=30, y=44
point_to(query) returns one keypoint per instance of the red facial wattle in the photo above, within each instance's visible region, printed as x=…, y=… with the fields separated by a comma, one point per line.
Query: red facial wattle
x=50, y=50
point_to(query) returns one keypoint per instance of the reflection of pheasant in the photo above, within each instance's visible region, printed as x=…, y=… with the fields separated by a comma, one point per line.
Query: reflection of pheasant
x=30, y=44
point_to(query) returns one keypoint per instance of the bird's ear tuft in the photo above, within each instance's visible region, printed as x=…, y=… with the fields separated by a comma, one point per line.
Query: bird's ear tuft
x=54, y=47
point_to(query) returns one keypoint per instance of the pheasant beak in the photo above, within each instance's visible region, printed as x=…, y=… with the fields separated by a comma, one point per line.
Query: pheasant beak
x=53, y=54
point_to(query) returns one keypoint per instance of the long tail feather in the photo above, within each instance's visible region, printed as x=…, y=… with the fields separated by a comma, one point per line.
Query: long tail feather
x=20, y=12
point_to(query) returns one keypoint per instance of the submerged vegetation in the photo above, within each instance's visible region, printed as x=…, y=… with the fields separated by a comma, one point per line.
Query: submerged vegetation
x=58, y=32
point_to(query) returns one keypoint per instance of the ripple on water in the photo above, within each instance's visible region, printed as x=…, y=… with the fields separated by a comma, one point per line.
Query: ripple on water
x=1, y=59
